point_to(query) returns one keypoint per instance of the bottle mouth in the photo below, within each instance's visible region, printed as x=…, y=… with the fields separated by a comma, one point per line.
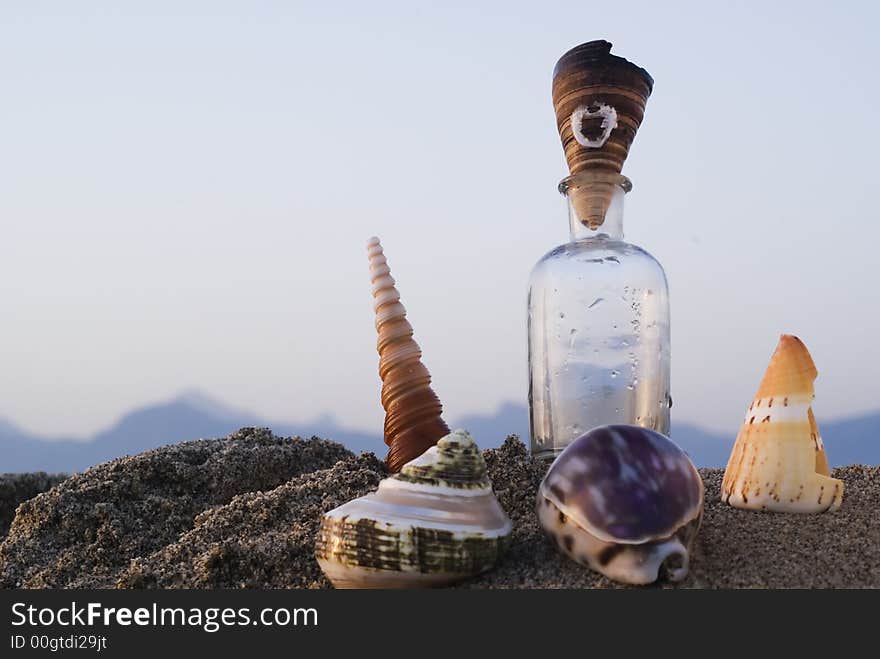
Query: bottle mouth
x=591, y=178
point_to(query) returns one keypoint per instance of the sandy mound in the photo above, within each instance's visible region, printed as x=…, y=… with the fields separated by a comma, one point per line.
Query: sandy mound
x=85, y=531
x=243, y=511
x=260, y=540
x=17, y=488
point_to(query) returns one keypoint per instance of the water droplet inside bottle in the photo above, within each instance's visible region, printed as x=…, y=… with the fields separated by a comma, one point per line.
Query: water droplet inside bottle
x=615, y=373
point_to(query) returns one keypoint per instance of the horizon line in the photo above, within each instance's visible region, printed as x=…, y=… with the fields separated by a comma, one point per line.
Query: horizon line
x=194, y=396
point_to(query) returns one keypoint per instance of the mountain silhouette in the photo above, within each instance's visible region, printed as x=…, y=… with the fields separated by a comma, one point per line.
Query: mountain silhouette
x=194, y=415
x=189, y=416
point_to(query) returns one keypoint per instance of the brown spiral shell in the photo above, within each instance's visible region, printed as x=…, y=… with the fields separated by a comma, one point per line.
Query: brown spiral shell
x=599, y=99
x=412, y=410
x=586, y=79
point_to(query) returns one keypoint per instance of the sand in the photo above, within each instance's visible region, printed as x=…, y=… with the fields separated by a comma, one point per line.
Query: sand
x=734, y=548
x=17, y=488
x=86, y=531
x=242, y=512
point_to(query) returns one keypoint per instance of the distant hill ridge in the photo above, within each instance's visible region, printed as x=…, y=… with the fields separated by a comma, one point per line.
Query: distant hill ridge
x=194, y=415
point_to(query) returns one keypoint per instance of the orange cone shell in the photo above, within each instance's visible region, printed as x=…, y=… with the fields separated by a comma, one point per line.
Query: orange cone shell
x=412, y=410
x=778, y=460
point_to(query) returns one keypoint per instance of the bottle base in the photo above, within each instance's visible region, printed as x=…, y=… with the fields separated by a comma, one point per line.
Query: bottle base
x=545, y=454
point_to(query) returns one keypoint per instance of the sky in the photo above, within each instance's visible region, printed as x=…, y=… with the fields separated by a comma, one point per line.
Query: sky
x=187, y=188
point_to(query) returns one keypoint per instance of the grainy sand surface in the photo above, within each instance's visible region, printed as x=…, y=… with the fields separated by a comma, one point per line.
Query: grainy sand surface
x=17, y=488
x=242, y=512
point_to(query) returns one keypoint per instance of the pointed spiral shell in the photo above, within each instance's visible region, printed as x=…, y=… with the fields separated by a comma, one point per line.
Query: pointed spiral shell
x=412, y=409
x=778, y=460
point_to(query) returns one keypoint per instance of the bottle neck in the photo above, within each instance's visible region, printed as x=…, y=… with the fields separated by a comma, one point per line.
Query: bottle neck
x=595, y=204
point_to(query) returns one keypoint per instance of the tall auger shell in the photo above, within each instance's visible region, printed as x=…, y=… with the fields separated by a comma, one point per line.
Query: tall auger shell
x=412, y=410
x=778, y=460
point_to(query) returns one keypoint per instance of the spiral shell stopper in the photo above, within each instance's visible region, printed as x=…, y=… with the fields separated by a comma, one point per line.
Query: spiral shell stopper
x=599, y=99
x=412, y=410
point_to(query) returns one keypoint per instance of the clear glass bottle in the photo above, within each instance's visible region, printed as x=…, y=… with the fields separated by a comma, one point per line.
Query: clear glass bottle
x=598, y=324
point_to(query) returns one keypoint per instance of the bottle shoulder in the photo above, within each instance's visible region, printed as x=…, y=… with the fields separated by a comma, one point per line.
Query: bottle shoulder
x=598, y=253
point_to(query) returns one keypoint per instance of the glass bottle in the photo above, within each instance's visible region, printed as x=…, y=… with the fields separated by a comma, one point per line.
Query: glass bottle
x=598, y=324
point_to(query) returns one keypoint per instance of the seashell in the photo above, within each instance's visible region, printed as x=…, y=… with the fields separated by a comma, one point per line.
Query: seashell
x=412, y=409
x=624, y=501
x=778, y=461
x=434, y=523
x=599, y=100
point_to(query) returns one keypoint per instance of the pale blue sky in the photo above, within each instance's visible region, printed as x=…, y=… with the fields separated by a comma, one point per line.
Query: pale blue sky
x=186, y=189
